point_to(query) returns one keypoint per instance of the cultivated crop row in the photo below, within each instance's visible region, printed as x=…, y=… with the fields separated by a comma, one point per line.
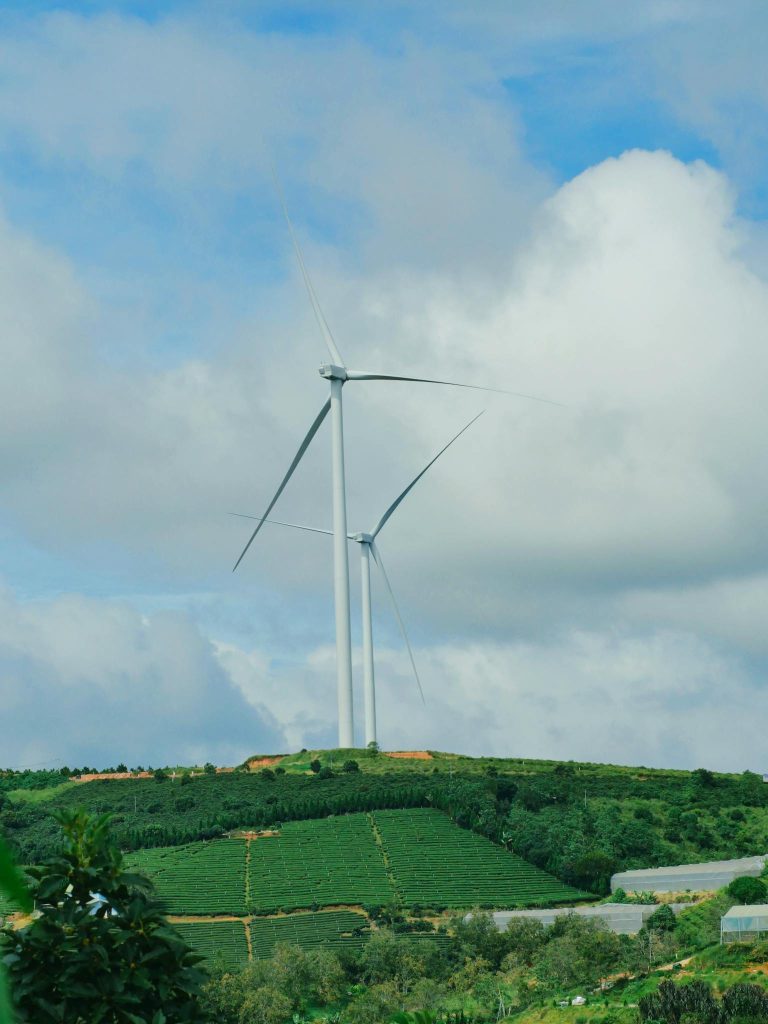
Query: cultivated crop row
x=324, y=862
x=222, y=943
x=199, y=878
x=436, y=862
x=337, y=929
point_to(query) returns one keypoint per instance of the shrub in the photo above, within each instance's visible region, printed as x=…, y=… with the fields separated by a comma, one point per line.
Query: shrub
x=663, y=919
x=747, y=890
x=351, y=766
x=107, y=957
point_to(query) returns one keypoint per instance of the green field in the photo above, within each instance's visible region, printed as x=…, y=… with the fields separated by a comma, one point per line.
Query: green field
x=330, y=861
x=222, y=943
x=199, y=878
x=333, y=928
x=436, y=863
x=423, y=857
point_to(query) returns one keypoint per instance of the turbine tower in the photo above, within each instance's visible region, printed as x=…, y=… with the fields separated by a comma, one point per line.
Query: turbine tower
x=338, y=374
x=368, y=547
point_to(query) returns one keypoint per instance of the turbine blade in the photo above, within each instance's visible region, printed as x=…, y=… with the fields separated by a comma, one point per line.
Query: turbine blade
x=296, y=460
x=278, y=522
x=377, y=559
x=377, y=528
x=322, y=323
x=364, y=375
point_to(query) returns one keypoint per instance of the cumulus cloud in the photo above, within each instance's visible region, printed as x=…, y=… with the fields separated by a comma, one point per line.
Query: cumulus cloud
x=95, y=681
x=660, y=697
x=616, y=541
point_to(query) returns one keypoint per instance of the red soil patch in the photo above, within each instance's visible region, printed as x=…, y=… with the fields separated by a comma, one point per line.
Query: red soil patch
x=263, y=762
x=412, y=755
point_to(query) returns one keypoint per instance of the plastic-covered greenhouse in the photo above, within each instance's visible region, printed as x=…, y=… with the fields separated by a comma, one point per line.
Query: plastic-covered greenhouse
x=694, y=877
x=745, y=923
x=626, y=919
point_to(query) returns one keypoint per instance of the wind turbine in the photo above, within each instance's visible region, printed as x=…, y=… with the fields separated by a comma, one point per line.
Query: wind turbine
x=368, y=547
x=337, y=374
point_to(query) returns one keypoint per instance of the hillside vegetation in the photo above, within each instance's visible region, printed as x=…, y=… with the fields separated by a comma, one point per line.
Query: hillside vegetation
x=579, y=822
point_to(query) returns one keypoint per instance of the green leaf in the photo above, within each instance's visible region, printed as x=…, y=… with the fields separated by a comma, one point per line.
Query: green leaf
x=12, y=880
x=6, y=1010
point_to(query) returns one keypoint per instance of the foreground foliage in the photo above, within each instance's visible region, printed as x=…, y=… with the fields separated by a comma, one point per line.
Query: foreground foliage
x=100, y=952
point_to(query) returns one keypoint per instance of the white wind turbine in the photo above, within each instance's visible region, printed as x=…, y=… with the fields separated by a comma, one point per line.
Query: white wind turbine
x=338, y=374
x=368, y=547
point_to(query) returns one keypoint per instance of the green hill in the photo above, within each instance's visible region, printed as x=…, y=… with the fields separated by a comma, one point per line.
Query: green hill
x=576, y=821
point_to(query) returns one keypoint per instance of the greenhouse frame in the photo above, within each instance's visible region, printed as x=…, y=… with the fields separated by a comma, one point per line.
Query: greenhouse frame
x=707, y=877
x=744, y=923
x=622, y=918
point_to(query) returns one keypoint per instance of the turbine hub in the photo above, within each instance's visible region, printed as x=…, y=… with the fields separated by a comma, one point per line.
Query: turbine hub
x=331, y=372
x=363, y=538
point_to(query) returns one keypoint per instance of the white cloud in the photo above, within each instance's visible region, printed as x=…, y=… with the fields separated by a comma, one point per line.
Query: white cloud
x=94, y=681
x=665, y=698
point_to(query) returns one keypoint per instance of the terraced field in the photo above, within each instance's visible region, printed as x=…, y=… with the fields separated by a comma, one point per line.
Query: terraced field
x=199, y=878
x=418, y=856
x=220, y=942
x=330, y=928
x=435, y=862
x=324, y=862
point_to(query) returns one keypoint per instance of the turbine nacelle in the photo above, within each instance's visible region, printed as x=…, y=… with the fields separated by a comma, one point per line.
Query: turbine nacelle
x=332, y=372
x=362, y=538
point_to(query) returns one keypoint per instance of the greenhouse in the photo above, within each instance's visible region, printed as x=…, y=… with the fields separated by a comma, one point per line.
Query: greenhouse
x=623, y=918
x=706, y=877
x=744, y=923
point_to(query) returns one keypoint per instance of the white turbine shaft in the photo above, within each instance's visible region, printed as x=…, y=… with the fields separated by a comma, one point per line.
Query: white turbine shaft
x=369, y=687
x=341, y=572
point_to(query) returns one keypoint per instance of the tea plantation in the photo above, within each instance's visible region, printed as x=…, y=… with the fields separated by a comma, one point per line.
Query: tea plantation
x=222, y=943
x=417, y=856
x=199, y=878
x=325, y=862
x=434, y=862
x=333, y=928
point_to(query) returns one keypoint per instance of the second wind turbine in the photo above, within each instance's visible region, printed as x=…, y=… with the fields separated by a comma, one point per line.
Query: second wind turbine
x=368, y=547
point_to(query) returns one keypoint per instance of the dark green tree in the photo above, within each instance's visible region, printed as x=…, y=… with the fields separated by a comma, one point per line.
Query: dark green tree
x=747, y=890
x=101, y=951
x=663, y=919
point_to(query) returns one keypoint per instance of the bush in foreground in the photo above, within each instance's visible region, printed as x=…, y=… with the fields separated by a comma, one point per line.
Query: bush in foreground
x=100, y=952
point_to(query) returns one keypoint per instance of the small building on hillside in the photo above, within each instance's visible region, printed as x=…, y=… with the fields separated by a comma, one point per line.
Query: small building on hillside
x=706, y=877
x=744, y=923
x=623, y=918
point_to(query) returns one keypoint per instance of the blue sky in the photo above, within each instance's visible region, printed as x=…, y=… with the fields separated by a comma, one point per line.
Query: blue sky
x=568, y=200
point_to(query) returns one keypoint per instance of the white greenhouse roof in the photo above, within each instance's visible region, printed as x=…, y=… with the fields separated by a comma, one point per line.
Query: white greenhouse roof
x=708, y=876
x=746, y=918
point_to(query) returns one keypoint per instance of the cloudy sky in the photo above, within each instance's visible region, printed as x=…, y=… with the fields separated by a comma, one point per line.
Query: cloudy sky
x=563, y=200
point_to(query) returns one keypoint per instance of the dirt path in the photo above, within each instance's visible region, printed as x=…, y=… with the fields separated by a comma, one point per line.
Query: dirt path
x=382, y=850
